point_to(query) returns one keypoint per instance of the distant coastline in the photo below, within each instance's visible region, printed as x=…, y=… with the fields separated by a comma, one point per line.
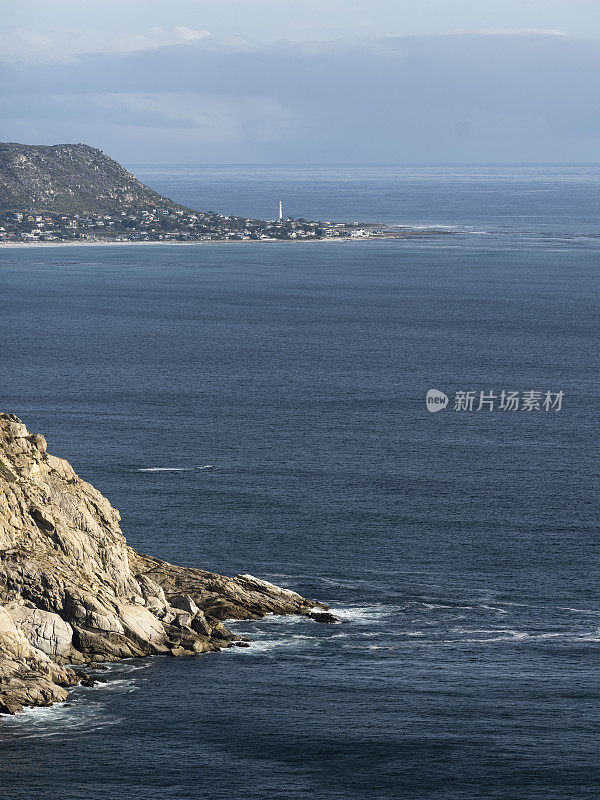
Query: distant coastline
x=178, y=227
x=125, y=243
x=59, y=195
x=404, y=234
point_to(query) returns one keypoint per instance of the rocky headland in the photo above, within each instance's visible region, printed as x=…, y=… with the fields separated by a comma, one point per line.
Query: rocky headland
x=76, y=194
x=74, y=595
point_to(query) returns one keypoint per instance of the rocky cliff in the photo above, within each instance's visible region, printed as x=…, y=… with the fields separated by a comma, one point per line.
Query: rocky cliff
x=71, y=179
x=72, y=592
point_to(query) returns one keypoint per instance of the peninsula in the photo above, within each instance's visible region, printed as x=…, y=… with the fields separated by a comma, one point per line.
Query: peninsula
x=74, y=595
x=75, y=193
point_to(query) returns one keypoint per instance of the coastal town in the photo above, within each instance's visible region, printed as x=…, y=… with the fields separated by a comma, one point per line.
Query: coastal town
x=169, y=225
x=76, y=194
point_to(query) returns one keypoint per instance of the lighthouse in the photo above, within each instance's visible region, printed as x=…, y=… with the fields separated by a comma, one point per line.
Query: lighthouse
x=280, y=211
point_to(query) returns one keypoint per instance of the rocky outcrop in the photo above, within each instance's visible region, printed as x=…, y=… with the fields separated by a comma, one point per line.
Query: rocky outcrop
x=72, y=591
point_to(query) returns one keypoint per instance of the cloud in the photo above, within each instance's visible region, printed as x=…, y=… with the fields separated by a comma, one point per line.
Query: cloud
x=62, y=45
x=500, y=97
x=204, y=117
x=520, y=32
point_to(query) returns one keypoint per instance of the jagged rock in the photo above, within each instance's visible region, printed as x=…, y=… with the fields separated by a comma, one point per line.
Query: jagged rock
x=85, y=679
x=181, y=651
x=182, y=620
x=242, y=597
x=10, y=707
x=45, y=631
x=325, y=617
x=219, y=631
x=200, y=625
x=39, y=441
x=152, y=592
x=185, y=603
x=27, y=675
x=72, y=591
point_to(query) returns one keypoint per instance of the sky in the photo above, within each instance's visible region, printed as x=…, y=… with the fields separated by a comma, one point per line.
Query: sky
x=335, y=81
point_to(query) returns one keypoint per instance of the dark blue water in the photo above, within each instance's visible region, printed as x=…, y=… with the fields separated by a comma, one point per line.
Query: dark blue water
x=461, y=548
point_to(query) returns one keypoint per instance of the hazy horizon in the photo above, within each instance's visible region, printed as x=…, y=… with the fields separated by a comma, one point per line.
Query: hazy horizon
x=309, y=164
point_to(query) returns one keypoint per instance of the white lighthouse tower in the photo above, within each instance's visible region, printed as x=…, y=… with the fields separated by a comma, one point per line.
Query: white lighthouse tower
x=280, y=211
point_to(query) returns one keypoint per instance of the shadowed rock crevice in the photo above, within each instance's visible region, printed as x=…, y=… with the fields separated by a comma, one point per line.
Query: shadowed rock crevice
x=72, y=591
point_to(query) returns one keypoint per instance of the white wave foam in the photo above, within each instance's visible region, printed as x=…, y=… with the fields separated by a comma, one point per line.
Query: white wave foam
x=505, y=636
x=39, y=713
x=437, y=606
x=117, y=685
x=429, y=227
x=164, y=469
x=48, y=722
x=365, y=614
x=488, y=630
x=174, y=469
x=508, y=635
x=270, y=619
x=262, y=646
x=578, y=610
x=442, y=228
x=495, y=608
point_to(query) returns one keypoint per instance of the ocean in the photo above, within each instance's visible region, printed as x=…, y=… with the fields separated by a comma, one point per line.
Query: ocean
x=460, y=548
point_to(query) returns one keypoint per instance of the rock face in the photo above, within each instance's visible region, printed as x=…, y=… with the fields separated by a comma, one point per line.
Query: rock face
x=73, y=592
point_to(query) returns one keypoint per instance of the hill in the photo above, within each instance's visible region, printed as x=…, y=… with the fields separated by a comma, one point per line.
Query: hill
x=71, y=179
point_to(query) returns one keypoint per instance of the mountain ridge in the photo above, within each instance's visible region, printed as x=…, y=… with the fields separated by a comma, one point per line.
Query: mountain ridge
x=71, y=179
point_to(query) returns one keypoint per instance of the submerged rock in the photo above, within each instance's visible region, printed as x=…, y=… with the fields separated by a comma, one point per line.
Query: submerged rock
x=73, y=592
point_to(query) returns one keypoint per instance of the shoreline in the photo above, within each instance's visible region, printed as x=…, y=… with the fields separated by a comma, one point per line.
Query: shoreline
x=76, y=596
x=410, y=234
x=19, y=245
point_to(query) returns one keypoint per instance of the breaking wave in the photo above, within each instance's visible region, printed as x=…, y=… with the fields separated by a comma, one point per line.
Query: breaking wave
x=174, y=469
x=164, y=469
